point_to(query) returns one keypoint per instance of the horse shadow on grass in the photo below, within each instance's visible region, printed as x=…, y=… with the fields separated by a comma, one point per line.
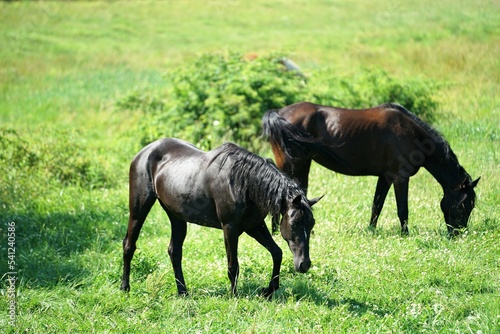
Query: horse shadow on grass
x=298, y=291
x=48, y=246
x=302, y=291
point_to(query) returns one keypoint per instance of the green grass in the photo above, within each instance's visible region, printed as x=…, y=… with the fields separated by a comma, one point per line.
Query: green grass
x=63, y=65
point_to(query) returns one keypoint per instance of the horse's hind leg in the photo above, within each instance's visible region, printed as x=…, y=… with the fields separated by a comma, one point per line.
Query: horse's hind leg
x=178, y=234
x=231, y=235
x=298, y=170
x=141, y=199
x=381, y=191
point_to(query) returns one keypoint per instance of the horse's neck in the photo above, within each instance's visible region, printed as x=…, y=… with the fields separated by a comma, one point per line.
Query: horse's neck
x=445, y=169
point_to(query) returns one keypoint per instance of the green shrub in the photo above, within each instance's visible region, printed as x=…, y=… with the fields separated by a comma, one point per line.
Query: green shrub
x=216, y=98
x=57, y=158
x=371, y=87
x=222, y=97
x=14, y=151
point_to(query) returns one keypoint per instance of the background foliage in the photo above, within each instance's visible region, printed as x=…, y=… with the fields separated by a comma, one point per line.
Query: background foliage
x=222, y=96
x=217, y=97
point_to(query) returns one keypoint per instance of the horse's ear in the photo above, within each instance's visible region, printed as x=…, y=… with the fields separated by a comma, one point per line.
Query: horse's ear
x=315, y=200
x=474, y=183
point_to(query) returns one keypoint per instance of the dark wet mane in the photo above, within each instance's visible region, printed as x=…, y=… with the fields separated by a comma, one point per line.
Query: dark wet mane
x=434, y=135
x=257, y=179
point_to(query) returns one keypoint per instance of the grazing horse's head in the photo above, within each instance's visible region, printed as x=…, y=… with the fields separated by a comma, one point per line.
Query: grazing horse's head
x=457, y=205
x=296, y=226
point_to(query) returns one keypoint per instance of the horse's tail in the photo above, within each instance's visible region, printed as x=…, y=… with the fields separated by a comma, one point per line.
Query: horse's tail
x=283, y=134
x=293, y=141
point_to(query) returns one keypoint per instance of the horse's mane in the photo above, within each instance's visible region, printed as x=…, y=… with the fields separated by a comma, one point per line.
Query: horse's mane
x=434, y=135
x=257, y=179
x=437, y=137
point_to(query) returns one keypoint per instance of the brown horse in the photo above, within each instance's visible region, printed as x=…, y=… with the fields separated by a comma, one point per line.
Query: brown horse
x=386, y=141
x=227, y=188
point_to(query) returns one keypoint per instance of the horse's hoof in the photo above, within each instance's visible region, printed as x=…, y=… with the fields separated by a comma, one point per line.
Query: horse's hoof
x=125, y=288
x=267, y=292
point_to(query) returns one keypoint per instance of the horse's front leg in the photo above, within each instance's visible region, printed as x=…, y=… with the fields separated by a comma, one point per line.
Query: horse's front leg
x=401, y=192
x=231, y=235
x=263, y=236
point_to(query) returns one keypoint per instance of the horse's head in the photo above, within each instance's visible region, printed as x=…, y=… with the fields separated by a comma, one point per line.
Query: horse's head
x=296, y=226
x=457, y=205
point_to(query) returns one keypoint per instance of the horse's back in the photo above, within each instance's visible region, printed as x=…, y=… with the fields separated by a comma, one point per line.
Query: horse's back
x=158, y=149
x=190, y=183
x=365, y=139
x=176, y=165
x=305, y=114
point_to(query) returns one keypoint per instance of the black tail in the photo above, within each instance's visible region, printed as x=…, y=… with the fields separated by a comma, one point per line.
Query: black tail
x=295, y=142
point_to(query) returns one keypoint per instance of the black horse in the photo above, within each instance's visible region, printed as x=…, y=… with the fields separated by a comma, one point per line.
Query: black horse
x=227, y=188
x=386, y=141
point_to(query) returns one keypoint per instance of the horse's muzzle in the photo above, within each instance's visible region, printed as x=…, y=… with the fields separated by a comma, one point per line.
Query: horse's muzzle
x=303, y=266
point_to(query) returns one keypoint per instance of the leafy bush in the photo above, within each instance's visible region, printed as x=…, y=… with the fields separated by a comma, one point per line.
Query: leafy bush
x=217, y=97
x=222, y=97
x=58, y=158
x=371, y=87
x=14, y=151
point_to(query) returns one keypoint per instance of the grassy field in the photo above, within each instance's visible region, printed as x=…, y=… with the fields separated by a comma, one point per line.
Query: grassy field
x=63, y=66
